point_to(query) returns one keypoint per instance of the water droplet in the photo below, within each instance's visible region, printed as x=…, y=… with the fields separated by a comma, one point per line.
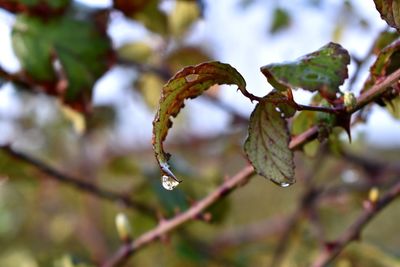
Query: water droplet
x=191, y=77
x=284, y=184
x=168, y=182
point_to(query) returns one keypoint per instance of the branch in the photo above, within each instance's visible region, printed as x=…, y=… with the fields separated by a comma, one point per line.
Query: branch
x=78, y=183
x=354, y=231
x=364, y=99
x=126, y=250
x=375, y=91
x=13, y=77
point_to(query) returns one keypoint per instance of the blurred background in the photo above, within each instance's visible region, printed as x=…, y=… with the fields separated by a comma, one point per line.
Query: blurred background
x=101, y=132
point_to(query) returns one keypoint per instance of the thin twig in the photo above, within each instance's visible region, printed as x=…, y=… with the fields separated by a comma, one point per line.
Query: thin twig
x=78, y=183
x=126, y=250
x=354, y=231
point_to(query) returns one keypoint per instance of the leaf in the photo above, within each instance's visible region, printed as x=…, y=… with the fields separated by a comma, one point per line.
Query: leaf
x=393, y=107
x=149, y=85
x=390, y=11
x=190, y=82
x=280, y=21
x=323, y=70
x=267, y=145
x=388, y=60
x=146, y=12
x=300, y=123
x=130, y=7
x=82, y=50
x=185, y=56
x=152, y=17
x=384, y=39
x=138, y=52
x=183, y=16
x=43, y=8
x=287, y=110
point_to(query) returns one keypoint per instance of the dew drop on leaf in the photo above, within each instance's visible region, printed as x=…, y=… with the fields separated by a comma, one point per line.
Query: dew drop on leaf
x=284, y=184
x=168, y=182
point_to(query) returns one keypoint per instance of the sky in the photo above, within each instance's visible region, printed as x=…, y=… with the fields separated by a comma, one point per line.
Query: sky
x=238, y=37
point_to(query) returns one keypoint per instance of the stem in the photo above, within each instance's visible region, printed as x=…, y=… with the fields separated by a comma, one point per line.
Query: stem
x=330, y=110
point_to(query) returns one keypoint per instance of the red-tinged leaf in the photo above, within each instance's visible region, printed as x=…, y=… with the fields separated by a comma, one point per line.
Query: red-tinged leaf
x=130, y=7
x=388, y=60
x=267, y=145
x=323, y=70
x=190, y=82
x=385, y=38
x=42, y=8
x=390, y=11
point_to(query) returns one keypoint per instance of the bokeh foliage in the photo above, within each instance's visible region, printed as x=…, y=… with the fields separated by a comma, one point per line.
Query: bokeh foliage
x=64, y=49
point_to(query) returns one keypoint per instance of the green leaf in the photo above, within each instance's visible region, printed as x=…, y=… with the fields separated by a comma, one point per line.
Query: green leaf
x=82, y=50
x=149, y=85
x=146, y=12
x=185, y=56
x=390, y=11
x=276, y=96
x=300, y=123
x=323, y=70
x=393, y=107
x=190, y=82
x=384, y=39
x=183, y=16
x=280, y=21
x=138, y=52
x=267, y=145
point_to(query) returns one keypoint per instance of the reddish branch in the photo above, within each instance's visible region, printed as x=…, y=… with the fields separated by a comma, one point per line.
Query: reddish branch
x=353, y=233
x=166, y=226
x=78, y=183
x=375, y=91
